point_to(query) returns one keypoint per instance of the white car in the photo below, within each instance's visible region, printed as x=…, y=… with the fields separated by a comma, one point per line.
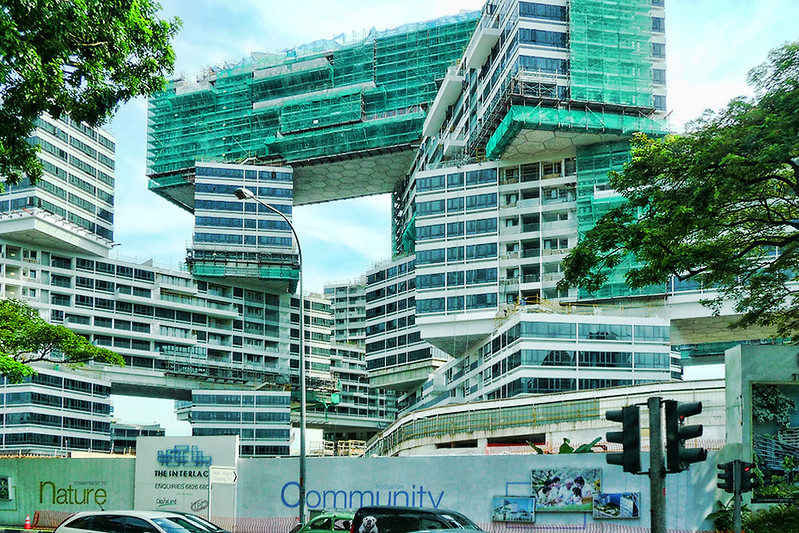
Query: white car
x=136, y=522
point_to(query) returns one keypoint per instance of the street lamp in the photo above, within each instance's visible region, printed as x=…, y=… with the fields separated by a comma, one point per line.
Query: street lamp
x=246, y=194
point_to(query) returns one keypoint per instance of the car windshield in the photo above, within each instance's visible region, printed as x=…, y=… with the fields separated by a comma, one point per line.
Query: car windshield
x=203, y=523
x=176, y=524
x=458, y=521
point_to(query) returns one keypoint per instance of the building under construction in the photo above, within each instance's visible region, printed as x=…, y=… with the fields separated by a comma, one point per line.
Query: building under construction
x=494, y=131
x=330, y=109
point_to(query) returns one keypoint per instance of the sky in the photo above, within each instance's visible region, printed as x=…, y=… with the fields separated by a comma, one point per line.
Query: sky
x=711, y=45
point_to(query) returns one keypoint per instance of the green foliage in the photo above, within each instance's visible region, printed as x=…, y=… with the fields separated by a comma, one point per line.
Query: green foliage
x=25, y=338
x=717, y=204
x=567, y=447
x=535, y=448
x=770, y=404
x=81, y=58
x=723, y=518
x=783, y=518
x=778, y=490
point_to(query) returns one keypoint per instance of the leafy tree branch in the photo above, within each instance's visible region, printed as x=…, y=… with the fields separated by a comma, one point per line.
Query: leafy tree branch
x=26, y=338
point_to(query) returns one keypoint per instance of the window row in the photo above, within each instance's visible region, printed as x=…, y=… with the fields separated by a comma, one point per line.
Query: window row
x=483, y=176
x=391, y=272
x=457, y=205
x=457, y=229
x=456, y=303
x=457, y=253
x=390, y=343
x=264, y=193
x=238, y=173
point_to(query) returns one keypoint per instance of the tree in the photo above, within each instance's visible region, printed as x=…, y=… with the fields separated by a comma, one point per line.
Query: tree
x=81, y=58
x=717, y=204
x=770, y=404
x=25, y=337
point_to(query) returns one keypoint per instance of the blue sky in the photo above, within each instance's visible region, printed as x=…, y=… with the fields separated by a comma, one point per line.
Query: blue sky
x=711, y=45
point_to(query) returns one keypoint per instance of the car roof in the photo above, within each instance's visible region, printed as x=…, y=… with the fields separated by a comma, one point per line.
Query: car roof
x=345, y=513
x=130, y=512
x=408, y=508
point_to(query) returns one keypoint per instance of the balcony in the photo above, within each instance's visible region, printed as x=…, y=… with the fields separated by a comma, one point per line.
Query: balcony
x=485, y=37
x=451, y=88
x=454, y=144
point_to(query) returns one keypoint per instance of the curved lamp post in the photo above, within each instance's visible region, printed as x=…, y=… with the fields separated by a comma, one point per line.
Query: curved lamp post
x=247, y=194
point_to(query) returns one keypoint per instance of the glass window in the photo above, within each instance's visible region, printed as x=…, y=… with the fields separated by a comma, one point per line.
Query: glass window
x=455, y=181
x=137, y=525
x=606, y=359
x=426, y=257
x=436, y=231
x=606, y=332
x=543, y=38
x=455, y=205
x=548, y=330
x=658, y=24
x=431, y=305
x=652, y=334
x=481, y=201
x=543, y=64
x=543, y=11
x=455, y=303
x=431, y=183
x=433, y=207
x=481, y=301
x=454, y=254
x=483, y=176
x=478, y=227
x=481, y=275
x=455, y=279
x=428, y=281
x=481, y=251
x=652, y=360
x=454, y=229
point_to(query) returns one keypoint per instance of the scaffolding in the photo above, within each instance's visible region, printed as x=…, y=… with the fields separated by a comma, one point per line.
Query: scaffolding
x=610, y=45
x=594, y=199
x=323, y=99
x=574, y=117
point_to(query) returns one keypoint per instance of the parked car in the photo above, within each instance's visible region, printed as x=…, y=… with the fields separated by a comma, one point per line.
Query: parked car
x=210, y=526
x=328, y=522
x=389, y=519
x=136, y=522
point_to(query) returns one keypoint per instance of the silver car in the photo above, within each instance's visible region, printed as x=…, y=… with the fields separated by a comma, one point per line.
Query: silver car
x=136, y=522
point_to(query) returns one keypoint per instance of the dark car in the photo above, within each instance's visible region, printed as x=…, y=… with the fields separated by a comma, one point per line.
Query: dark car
x=338, y=521
x=390, y=519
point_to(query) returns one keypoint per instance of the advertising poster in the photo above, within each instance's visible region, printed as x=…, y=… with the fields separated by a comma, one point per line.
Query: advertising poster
x=513, y=509
x=565, y=490
x=172, y=472
x=616, y=505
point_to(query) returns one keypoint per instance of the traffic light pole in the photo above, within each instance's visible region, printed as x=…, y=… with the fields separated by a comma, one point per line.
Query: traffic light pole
x=678, y=458
x=736, y=483
x=657, y=475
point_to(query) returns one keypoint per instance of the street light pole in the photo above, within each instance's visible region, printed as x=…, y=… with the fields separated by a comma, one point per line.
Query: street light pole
x=246, y=194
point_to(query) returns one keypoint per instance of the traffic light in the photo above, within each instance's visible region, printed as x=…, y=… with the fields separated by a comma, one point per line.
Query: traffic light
x=629, y=437
x=726, y=477
x=677, y=456
x=747, y=476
